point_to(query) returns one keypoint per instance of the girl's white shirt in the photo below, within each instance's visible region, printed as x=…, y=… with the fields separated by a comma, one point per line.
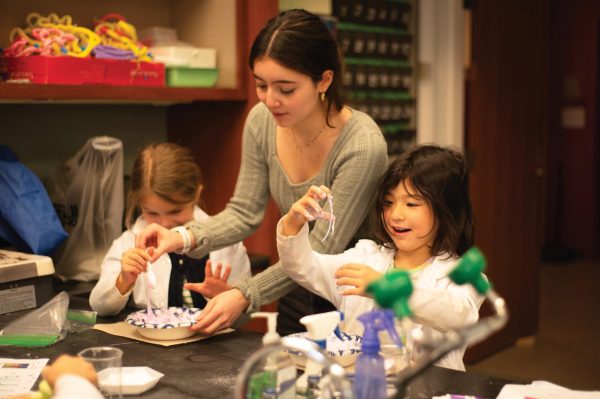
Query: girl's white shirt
x=106, y=299
x=437, y=303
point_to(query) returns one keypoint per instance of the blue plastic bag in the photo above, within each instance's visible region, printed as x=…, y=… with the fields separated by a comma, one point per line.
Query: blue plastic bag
x=28, y=220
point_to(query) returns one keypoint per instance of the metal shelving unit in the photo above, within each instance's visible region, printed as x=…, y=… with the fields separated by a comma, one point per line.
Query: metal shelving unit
x=378, y=40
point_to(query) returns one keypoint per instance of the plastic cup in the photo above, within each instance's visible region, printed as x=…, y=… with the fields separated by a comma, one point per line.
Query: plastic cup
x=399, y=357
x=108, y=364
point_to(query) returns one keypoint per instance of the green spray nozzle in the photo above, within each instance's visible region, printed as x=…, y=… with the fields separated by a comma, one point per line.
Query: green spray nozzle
x=470, y=270
x=393, y=291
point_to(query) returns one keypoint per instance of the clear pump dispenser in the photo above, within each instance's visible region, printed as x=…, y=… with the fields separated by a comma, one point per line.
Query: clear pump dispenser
x=277, y=377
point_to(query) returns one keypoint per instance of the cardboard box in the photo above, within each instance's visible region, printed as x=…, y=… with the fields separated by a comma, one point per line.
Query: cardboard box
x=77, y=71
x=25, y=281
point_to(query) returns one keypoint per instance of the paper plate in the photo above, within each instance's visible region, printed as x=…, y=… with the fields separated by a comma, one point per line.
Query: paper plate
x=173, y=323
x=134, y=380
x=343, y=352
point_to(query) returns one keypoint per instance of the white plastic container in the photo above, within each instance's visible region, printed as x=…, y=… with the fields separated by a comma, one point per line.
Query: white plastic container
x=187, y=56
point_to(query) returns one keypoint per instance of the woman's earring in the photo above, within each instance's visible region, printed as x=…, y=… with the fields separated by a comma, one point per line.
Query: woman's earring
x=322, y=95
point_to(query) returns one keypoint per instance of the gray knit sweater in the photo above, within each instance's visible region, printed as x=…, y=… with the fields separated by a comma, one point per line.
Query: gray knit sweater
x=352, y=171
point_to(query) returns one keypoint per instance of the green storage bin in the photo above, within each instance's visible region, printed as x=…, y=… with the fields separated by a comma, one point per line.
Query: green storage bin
x=192, y=77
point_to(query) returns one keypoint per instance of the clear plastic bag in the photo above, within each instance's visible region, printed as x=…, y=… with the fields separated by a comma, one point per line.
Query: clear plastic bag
x=88, y=194
x=40, y=327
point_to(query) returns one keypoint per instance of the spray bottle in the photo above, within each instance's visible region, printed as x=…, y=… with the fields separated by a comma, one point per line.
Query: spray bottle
x=279, y=372
x=369, y=377
x=318, y=328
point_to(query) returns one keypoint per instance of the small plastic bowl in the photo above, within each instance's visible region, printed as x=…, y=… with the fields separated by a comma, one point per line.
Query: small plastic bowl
x=343, y=352
x=134, y=380
x=177, y=324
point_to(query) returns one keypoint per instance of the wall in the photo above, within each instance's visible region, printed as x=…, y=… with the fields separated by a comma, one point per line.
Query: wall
x=44, y=135
x=572, y=168
x=440, y=89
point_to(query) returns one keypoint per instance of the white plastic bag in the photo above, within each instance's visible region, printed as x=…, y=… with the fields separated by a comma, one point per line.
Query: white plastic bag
x=87, y=191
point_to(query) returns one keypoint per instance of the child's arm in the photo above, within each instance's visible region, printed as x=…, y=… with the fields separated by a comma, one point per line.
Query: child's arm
x=443, y=305
x=357, y=276
x=311, y=270
x=133, y=262
x=304, y=210
x=105, y=298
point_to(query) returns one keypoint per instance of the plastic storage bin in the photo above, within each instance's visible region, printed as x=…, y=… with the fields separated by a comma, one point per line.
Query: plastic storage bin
x=192, y=77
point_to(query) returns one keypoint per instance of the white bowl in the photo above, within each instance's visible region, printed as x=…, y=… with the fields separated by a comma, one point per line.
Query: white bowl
x=343, y=352
x=134, y=380
x=173, y=323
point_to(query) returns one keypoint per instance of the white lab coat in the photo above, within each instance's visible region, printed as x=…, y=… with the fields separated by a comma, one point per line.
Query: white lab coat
x=438, y=304
x=106, y=298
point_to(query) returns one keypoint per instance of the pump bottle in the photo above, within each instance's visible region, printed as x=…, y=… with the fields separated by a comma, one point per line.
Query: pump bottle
x=279, y=373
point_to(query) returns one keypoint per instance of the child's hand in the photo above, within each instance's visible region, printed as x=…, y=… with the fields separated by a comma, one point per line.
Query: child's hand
x=133, y=262
x=305, y=209
x=213, y=284
x=357, y=276
x=66, y=364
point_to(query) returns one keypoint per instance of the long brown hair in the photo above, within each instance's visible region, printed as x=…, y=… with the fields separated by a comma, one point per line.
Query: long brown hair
x=440, y=175
x=300, y=41
x=166, y=170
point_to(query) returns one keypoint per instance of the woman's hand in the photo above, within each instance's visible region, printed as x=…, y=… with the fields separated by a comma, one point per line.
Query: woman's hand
x=133, y=262
x=221, y=311
x=66, y=364
x=213, y=284
x=357, y=276
x=162, y=239
x=305, y=209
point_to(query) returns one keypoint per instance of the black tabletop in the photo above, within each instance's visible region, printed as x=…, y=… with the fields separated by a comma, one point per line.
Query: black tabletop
x=209, y=368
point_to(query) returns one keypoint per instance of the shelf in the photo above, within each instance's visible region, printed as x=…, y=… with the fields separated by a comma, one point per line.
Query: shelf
x=15, y=92
x=217, y=24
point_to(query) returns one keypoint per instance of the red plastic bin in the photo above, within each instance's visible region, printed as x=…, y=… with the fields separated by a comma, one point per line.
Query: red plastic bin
x=76, y=71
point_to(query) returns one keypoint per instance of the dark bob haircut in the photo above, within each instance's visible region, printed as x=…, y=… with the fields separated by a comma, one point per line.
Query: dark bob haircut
x=440, y=176
x=299, y=40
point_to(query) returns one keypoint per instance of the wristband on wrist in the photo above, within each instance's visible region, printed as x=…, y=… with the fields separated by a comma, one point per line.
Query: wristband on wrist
x=187, y=240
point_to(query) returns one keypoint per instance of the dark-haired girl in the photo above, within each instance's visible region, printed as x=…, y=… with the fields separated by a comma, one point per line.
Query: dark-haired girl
x=425, y=224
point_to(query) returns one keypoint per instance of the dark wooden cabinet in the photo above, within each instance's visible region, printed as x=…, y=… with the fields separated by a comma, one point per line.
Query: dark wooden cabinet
x=506, y=126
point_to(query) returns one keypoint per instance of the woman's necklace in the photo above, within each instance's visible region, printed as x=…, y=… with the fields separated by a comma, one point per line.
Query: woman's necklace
x=300, y=147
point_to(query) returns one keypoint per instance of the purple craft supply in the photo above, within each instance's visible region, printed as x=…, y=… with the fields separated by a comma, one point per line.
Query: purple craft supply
x=102, y=51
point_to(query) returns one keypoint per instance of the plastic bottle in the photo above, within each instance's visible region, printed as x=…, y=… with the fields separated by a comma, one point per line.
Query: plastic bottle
x=369, y=377
x=278, y=376
x=318, y=328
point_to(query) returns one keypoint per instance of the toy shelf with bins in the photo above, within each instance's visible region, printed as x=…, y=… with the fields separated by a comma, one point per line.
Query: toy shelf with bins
x=205, y=23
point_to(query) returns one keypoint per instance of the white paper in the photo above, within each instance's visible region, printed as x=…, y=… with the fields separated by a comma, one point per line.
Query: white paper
x=544, y=389
x=17, y=376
